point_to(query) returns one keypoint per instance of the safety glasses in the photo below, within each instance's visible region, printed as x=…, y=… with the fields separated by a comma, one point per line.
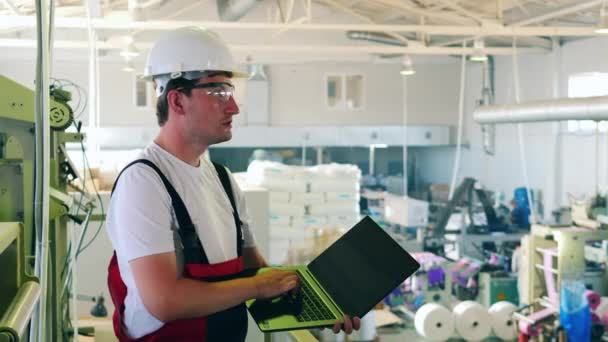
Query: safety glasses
x=222, y=91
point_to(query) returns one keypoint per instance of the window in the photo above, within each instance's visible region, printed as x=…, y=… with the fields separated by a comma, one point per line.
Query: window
x=145, y=96
x=344, y=91
x=587, y=85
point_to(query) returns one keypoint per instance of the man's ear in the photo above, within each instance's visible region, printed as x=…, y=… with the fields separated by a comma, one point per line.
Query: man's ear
x=174, y=102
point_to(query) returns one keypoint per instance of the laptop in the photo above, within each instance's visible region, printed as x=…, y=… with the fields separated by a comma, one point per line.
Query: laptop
x=350, y=277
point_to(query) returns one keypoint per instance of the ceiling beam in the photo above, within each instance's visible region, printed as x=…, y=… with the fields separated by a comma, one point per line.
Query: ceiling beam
x=558, y=13
x=536, y=42
x=10, y=21
x=409, y=9
x=366, y=19
x=12, y=7
x=502, y=5
x=314, y=49
x=454, y=5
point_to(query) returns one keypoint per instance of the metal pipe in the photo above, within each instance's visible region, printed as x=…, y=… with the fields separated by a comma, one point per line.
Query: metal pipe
x=447, y=30
x=42, y=175
x=588, y=108
x=376, y=37
x=16, y=318
x=233, y=10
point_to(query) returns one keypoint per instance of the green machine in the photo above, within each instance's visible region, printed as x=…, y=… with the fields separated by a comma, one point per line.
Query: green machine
x=497, y=287
x=20, y=290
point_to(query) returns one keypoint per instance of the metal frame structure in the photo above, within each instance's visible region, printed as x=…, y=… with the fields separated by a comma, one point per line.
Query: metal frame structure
x=283, y=27
x=17, y=159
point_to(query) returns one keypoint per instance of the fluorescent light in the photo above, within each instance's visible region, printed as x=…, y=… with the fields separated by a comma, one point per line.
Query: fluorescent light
x=479, y=57
x=479, y=54
x=379, y=145
x=602, y=26
x=408, y=66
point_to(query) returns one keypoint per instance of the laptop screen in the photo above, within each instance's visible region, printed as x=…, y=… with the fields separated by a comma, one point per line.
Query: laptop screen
x=362, y=267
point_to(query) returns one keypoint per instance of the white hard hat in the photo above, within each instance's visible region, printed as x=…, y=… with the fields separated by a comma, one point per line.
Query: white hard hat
x=188, y=52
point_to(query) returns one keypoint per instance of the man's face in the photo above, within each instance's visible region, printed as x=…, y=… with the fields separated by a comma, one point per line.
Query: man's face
x=209, y=110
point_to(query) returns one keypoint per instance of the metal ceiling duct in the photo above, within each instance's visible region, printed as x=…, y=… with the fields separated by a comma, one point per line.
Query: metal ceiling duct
x=375, y=37
x=233, y=10
x=588, y=108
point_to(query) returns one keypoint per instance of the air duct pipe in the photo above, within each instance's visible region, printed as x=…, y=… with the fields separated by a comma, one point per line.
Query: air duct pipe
x=588, y=108
x=375, y=37
x=488, y=132
x=233, y=10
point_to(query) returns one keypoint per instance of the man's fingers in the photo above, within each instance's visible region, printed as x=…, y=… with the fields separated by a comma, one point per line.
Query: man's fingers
x=289, y=282
x=356, y=323
x=337, y=327
x=348, y=325
x=290, y=285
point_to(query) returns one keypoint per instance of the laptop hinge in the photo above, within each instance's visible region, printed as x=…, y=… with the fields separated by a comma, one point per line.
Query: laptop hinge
x=312, y=278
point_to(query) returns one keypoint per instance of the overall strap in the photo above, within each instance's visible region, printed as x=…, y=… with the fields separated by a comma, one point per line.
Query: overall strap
x=225, y=180
x=193, y=250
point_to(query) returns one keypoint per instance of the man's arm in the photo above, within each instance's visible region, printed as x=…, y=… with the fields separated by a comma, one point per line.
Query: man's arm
x=169, y=298
x=252, y=258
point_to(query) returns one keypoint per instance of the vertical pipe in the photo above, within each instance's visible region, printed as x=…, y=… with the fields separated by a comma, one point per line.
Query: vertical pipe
x=319, y=155
x=597, y=157
x=74, y=273
x=520, y=134
x=42, y=178
x=553, y=178
x=372, y=157
x=404, y=93
x=460, y=123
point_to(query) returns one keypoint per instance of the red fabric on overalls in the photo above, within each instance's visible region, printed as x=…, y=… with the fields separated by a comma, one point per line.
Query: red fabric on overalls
x=186, y=330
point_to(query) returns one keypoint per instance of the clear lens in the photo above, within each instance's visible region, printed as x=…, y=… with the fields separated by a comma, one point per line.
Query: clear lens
x=223, y=92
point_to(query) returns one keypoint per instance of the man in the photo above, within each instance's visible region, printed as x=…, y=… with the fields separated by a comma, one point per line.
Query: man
x=178, y=223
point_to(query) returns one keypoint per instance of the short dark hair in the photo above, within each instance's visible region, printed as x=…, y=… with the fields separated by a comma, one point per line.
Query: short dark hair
x=162, y=105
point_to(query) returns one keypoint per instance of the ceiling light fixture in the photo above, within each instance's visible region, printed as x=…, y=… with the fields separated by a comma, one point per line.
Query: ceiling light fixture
x=479, y=54
x=130, y=51
x=602, y=25
x=128, y=67
x=407, y=68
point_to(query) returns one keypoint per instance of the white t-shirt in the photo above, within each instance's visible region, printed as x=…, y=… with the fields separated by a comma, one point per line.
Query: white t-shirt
x=141, y=218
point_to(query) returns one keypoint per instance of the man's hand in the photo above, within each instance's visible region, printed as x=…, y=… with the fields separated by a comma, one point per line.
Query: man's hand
x=348, y=326
x=272, y=283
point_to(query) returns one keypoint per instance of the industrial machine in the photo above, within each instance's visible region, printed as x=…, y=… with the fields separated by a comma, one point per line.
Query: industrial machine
x=550, y=255
x=20, y=290
x=480, y=226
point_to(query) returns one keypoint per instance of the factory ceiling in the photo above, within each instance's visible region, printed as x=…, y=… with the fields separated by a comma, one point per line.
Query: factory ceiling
x=280, y=31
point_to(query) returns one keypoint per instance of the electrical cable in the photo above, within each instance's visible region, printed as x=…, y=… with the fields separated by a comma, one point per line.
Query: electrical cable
x=520, y=135
x=101, y=222
x=460, y=124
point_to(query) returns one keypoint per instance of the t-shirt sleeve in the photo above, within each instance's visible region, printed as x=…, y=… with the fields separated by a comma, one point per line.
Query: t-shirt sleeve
x=140, y=217
x=241, y=206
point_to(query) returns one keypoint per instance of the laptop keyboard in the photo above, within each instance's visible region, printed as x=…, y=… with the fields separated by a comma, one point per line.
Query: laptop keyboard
x=313, y=309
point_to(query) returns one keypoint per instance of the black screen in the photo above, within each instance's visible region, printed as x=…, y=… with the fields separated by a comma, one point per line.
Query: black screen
x=362, y=267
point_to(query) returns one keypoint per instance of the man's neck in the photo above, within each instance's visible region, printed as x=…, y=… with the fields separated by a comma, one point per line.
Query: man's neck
x=178, y=146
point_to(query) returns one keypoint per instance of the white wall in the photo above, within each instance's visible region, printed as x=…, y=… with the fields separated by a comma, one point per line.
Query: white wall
x=502, y=171
x=297, y=93
x=432, y=94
